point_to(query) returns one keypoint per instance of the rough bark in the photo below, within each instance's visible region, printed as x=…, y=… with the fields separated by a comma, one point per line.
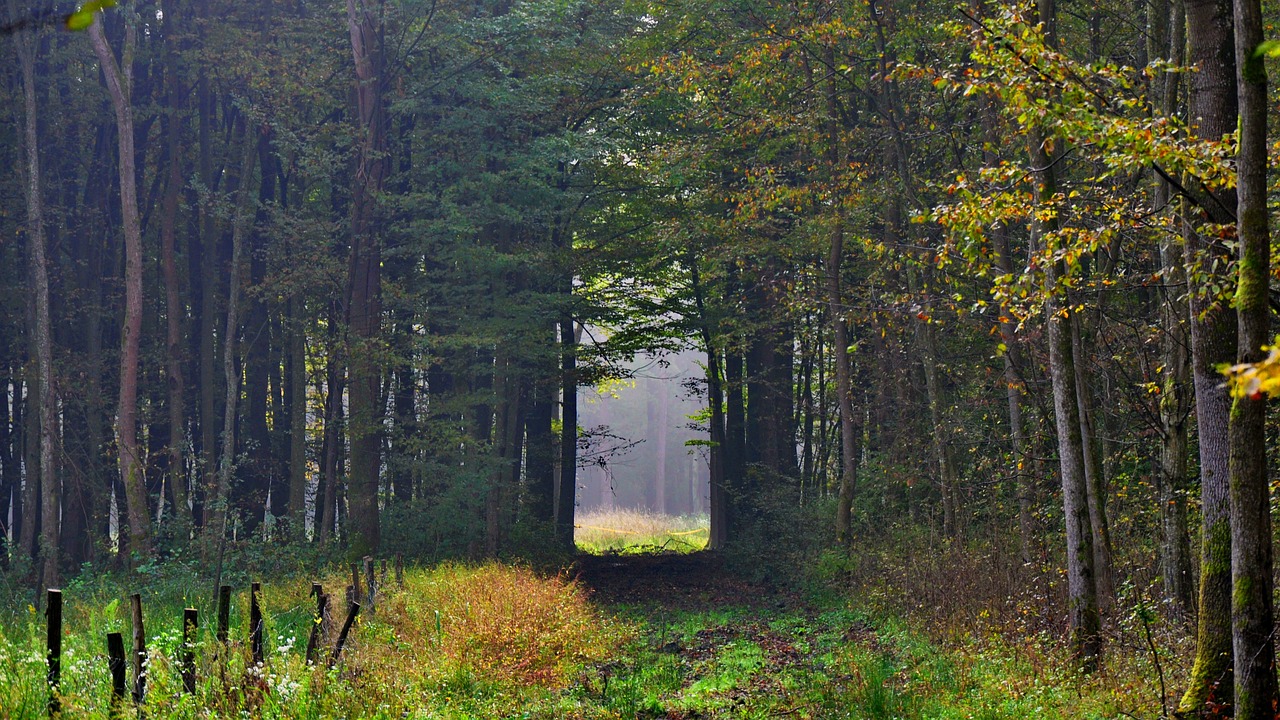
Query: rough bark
x=118, y=80
x=1167, y=39
x=1094, y=476
x=1082, y=599
x=1252, y=582
x=1213, y=113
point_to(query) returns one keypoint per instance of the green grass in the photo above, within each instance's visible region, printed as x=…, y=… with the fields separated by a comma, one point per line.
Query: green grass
x=499, y=642
x=635, y=531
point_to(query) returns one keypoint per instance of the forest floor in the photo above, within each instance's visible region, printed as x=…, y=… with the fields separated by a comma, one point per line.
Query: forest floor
x=614, y=636
x=713, y=645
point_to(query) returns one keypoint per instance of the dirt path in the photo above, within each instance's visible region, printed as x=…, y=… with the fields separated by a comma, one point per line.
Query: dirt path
x=688, y=581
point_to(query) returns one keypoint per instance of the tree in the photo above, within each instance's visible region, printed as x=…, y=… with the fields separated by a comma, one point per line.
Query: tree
x=1252, y=583
x=119, y=79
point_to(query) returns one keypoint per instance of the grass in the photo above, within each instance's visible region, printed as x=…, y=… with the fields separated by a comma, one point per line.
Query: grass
x=631, y=531
x=494, y=641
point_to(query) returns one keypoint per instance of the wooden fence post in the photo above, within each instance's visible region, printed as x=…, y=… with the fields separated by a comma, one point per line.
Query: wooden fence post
x=115, y=661
x=400, y=570
x=139, y=650
x=255, y=622
x=313, y=640
x=190, y=621
x=53, y=646
x=326, y=618
x=224, y=613
x=370, y=582
x=342, y=636
x=382, y=578
x=356, y=592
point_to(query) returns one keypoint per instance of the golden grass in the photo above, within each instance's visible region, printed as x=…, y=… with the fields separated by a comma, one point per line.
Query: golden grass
x=505, y=624
x=634, y=530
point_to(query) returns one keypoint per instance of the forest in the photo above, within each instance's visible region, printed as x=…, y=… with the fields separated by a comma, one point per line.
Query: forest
x=951, y=326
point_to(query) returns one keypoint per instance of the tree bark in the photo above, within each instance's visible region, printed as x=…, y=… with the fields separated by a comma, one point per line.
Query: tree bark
x=364, y=309
x=568, y=432
x=46, y=404
x=1252, y=582
x=175, y=310
x=1082, y=598
x=1167, y=40
x=119, y=80
x=1213, y=114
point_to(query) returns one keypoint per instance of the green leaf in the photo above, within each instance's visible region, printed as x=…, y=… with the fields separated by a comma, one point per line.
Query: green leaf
x=1269, y=48
x=83, y=18
x=79, y=20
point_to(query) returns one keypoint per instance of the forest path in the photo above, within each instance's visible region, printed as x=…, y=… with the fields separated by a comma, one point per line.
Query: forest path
x=686, y=581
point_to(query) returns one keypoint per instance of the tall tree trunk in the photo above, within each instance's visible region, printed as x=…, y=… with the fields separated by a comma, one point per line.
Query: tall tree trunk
x=175, y=310
x=1213, y=114
x=364, y=309
x=840, y=329
x=568, y=431
x=1082, y=598
x=1095, y=480
x=1252, y=581
x=660, y=441
x=46, y=403
x=297, y=372
x=1167, y=35
x=718, y=495
x=219, y=509
x=119, y=80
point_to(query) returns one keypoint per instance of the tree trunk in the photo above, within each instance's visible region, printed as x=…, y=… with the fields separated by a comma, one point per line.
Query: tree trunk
x=1252, y=582
x=46, y=403
x=175, y=310
x=718, y=498
x=1168, y=40
x=1212, y=112
x=219, y=508
x=364, y=308
x=568, y=432
x=119, y=79
x=1095, y=481
x=1082, y=599
x=297, y=372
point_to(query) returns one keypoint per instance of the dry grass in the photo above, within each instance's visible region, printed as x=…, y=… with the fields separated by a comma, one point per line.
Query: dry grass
x=639, y=530
x=501, y=623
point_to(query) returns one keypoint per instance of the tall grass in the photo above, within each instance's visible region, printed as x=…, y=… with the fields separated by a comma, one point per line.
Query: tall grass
x=456, y=641
x=621, y=531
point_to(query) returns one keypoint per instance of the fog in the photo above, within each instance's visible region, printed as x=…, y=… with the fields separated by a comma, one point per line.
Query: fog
x=640, y=429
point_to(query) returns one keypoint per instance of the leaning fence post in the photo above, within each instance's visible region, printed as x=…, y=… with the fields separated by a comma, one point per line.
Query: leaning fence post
x=342, y=636
x=139, y=650
x=53, y=645
x=224, y=613
x=255, y=622
x=115, y=661
x=190, y=621
x=400, y=570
